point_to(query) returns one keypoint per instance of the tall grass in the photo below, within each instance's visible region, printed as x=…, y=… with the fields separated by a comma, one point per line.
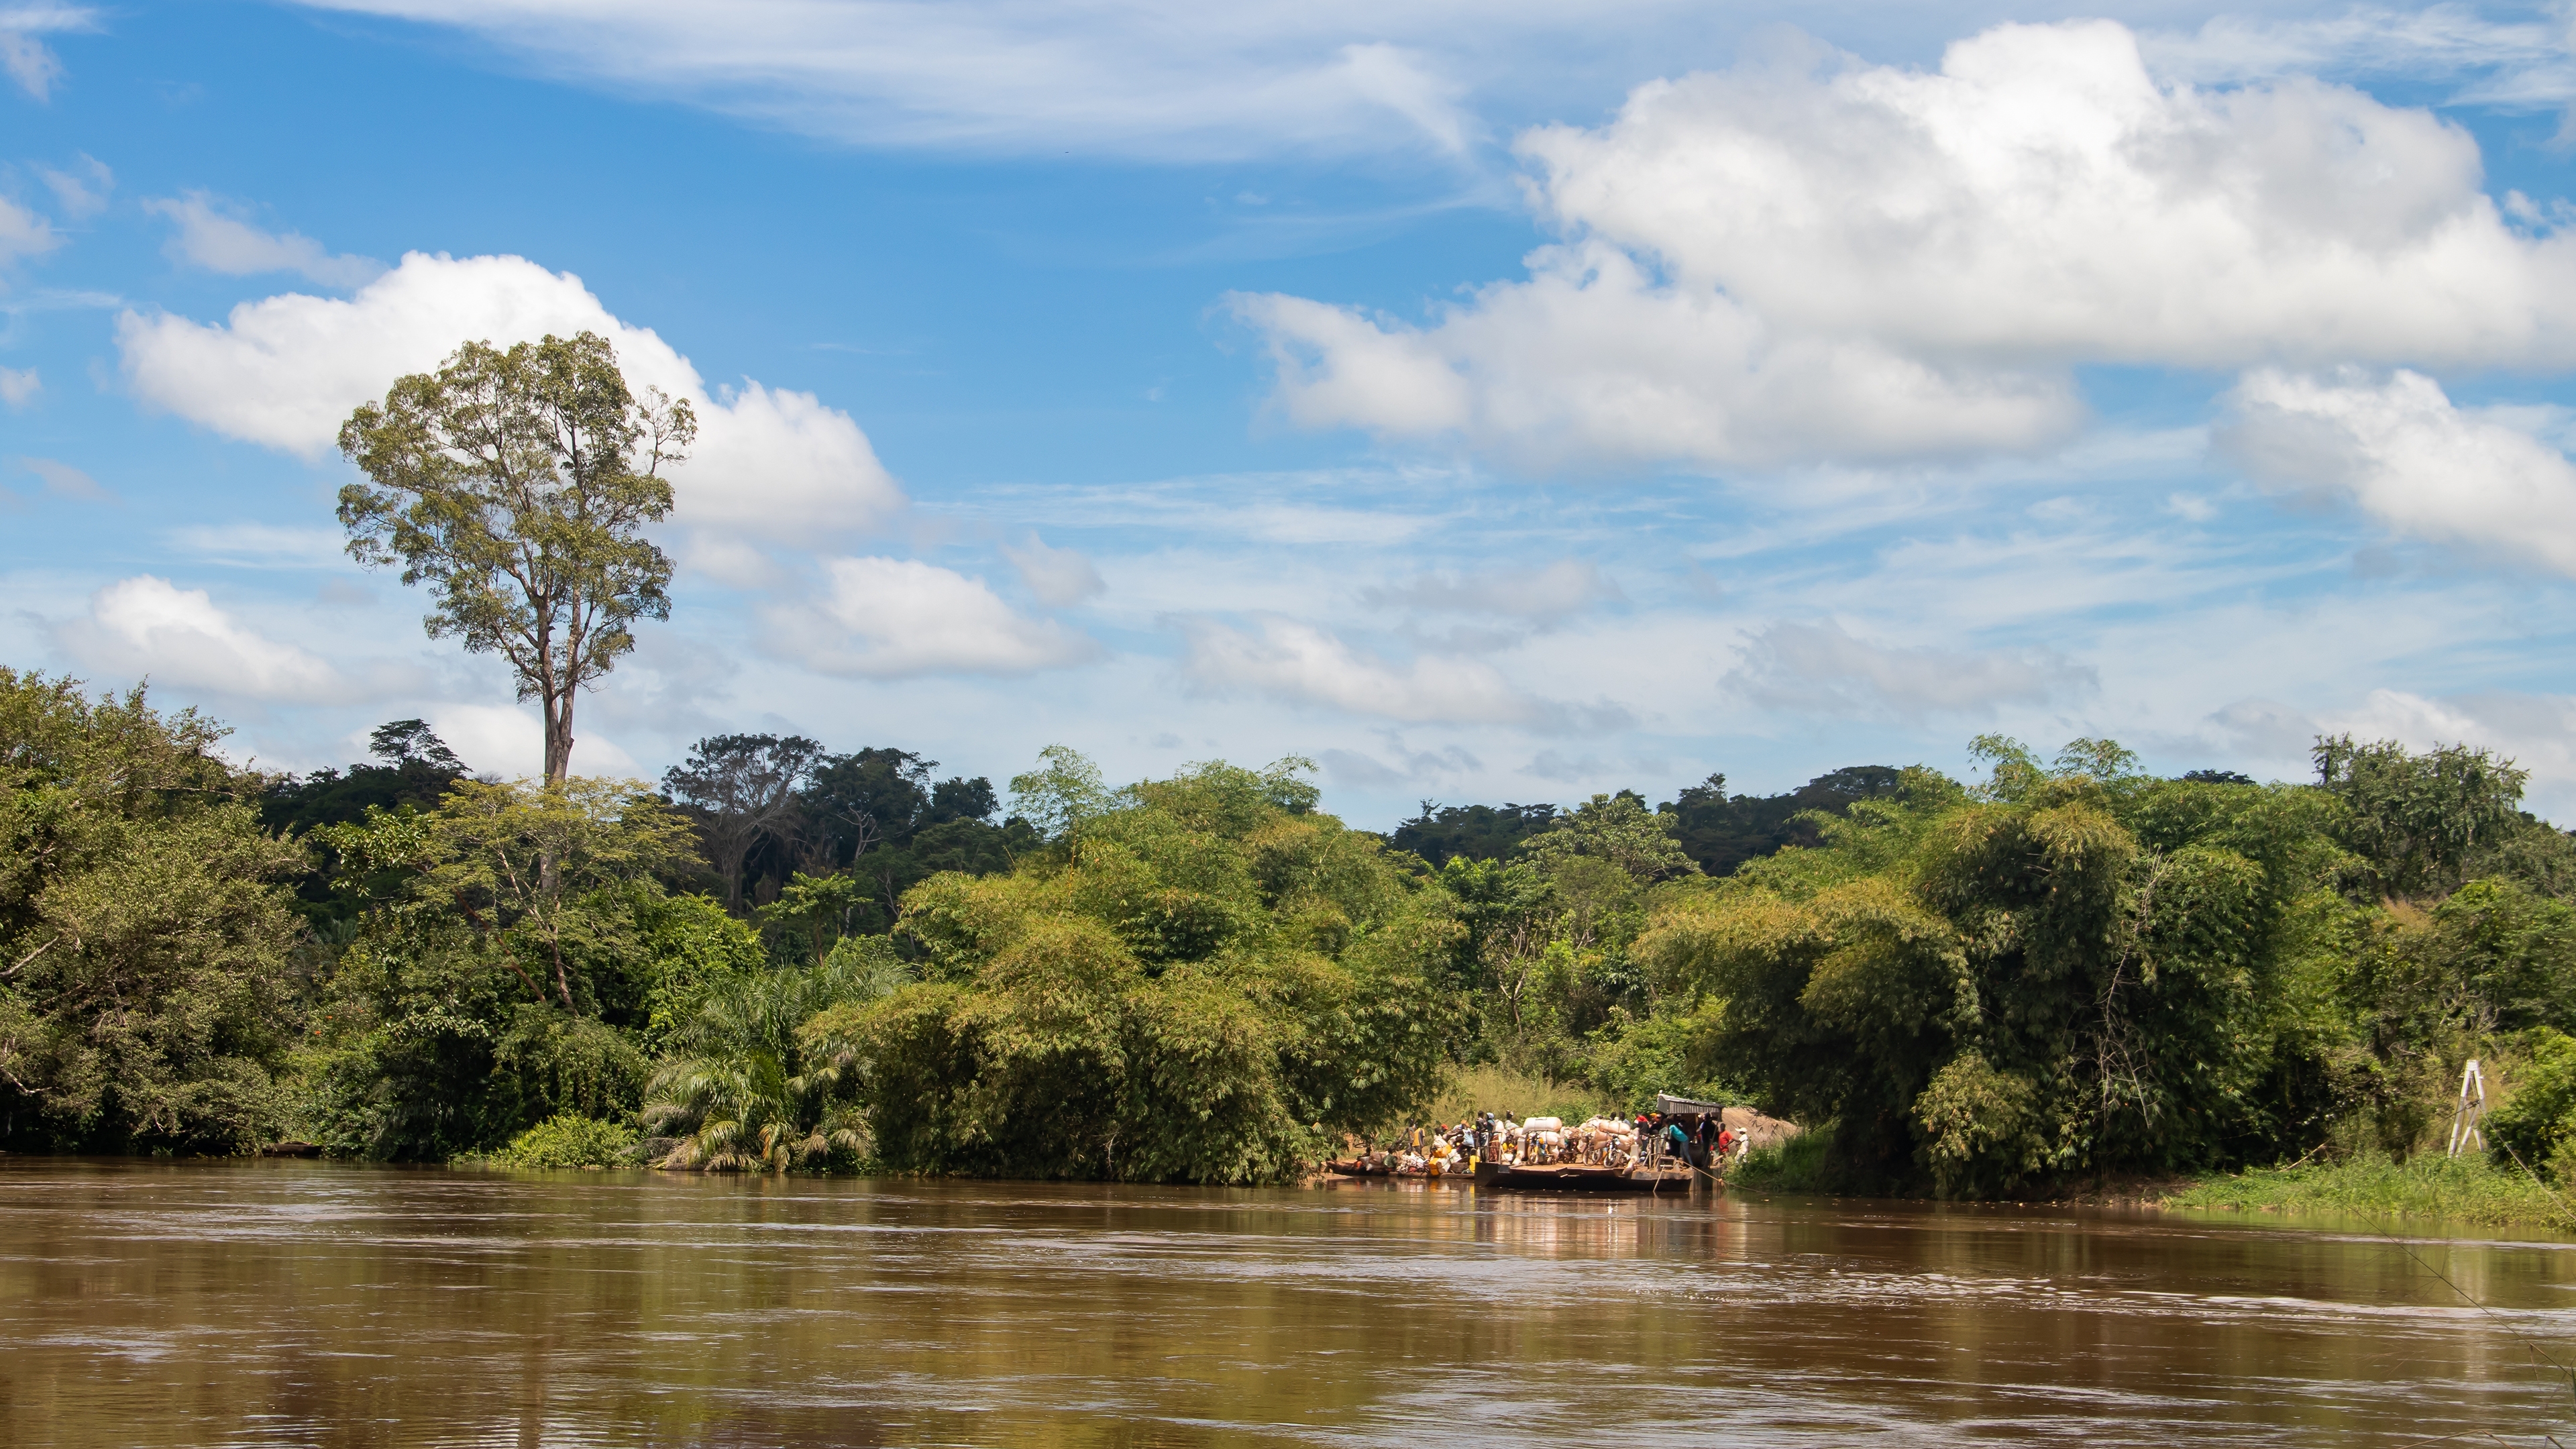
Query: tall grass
x=1498, y=1089
x=2467, y=1189
x=1804, y=1163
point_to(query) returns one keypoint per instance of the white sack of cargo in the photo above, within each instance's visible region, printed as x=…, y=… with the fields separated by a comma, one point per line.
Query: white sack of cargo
x=1543, y=1124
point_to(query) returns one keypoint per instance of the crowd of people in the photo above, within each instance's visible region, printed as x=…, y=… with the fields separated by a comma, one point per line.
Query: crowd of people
x=1649, y=1142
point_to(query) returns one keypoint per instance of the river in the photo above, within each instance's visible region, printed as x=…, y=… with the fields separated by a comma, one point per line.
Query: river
x=192, y=1303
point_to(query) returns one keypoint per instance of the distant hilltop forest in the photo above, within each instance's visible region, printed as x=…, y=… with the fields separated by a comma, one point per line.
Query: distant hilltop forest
x=1716, y=830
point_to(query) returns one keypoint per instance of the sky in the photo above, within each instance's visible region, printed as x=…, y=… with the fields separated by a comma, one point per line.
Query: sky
x=1489, y=402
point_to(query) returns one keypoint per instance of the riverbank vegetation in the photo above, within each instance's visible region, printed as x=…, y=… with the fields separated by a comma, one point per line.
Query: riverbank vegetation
x=786, y=958
x=2472, y=1188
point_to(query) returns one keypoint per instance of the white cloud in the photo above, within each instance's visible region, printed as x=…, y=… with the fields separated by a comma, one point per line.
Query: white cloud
x=2400, y=448
x=2537, y=731
x=1594, y=361
x=1284, y=659
x=1058, y=576
x=23, y=233
x=65, y=481
x=1821, y=670
x=1870, y=261
x=19, y=386
x=1361, y=770
x=34, y=67
x=1545, y=594
x=283, y=372
x=1156, y=78
x=148, y=626
x=2264, y=728
x=212, y=236
x=81, y=190
x=2042, y=197
x=890, y=618
x=510, y=741
x=2435, y=42
x=779, y=465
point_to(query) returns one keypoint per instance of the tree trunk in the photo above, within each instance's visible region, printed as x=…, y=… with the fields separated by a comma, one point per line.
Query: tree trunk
x=558, y=712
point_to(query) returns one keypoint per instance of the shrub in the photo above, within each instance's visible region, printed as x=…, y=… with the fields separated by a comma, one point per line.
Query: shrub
x=568, y=1139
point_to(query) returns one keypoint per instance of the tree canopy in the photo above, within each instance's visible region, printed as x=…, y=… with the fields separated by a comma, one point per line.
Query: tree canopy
x=1199, y=980
x=2063, y=966
x=147, y=1000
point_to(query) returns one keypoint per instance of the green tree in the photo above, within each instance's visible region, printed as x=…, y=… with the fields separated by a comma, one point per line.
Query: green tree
x=1200, y=982
x=1062, y=792
x=1618, y=829
x=514, y=972
x=516, y=484
x=2070, y=968
x=744, y=790
x=146, y=995
x=417, y=768
x=817, y=907
x=524, y=864
x=2425, y=823
x=1722, y=832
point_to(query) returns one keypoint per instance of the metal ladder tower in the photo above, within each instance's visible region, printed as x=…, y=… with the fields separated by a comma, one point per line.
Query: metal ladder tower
x=2471, y=1111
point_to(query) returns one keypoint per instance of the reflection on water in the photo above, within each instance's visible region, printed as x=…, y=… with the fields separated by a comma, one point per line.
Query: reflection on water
x=305, y=1303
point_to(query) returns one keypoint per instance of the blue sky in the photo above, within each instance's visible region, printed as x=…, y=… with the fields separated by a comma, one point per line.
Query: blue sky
x=1494, y=401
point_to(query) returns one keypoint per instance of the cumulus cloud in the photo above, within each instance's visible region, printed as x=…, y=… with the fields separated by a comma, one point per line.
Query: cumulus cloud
x=1856, y=261
x=1285, y=659
x=148, y=626
x=1595, y=361
x=891, y=618
x=1058, y=576
x=1822, y=670
x=213, y=235
x=769, y=464
x=1547, y=594
x=508, y=740
x=19, y=386
x=25, y=56
x=2398, y=447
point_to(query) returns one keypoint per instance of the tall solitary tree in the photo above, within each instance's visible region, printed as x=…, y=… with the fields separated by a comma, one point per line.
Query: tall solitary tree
x=516, y=485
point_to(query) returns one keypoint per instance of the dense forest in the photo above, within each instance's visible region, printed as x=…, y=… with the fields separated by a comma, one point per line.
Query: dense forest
x=785, y=957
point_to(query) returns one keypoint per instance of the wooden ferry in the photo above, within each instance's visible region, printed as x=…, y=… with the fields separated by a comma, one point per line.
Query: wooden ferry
x=1582, y=1177
x=1540, y=1177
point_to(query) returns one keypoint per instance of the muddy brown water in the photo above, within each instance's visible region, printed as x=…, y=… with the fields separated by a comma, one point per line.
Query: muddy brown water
x=312, y=1303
